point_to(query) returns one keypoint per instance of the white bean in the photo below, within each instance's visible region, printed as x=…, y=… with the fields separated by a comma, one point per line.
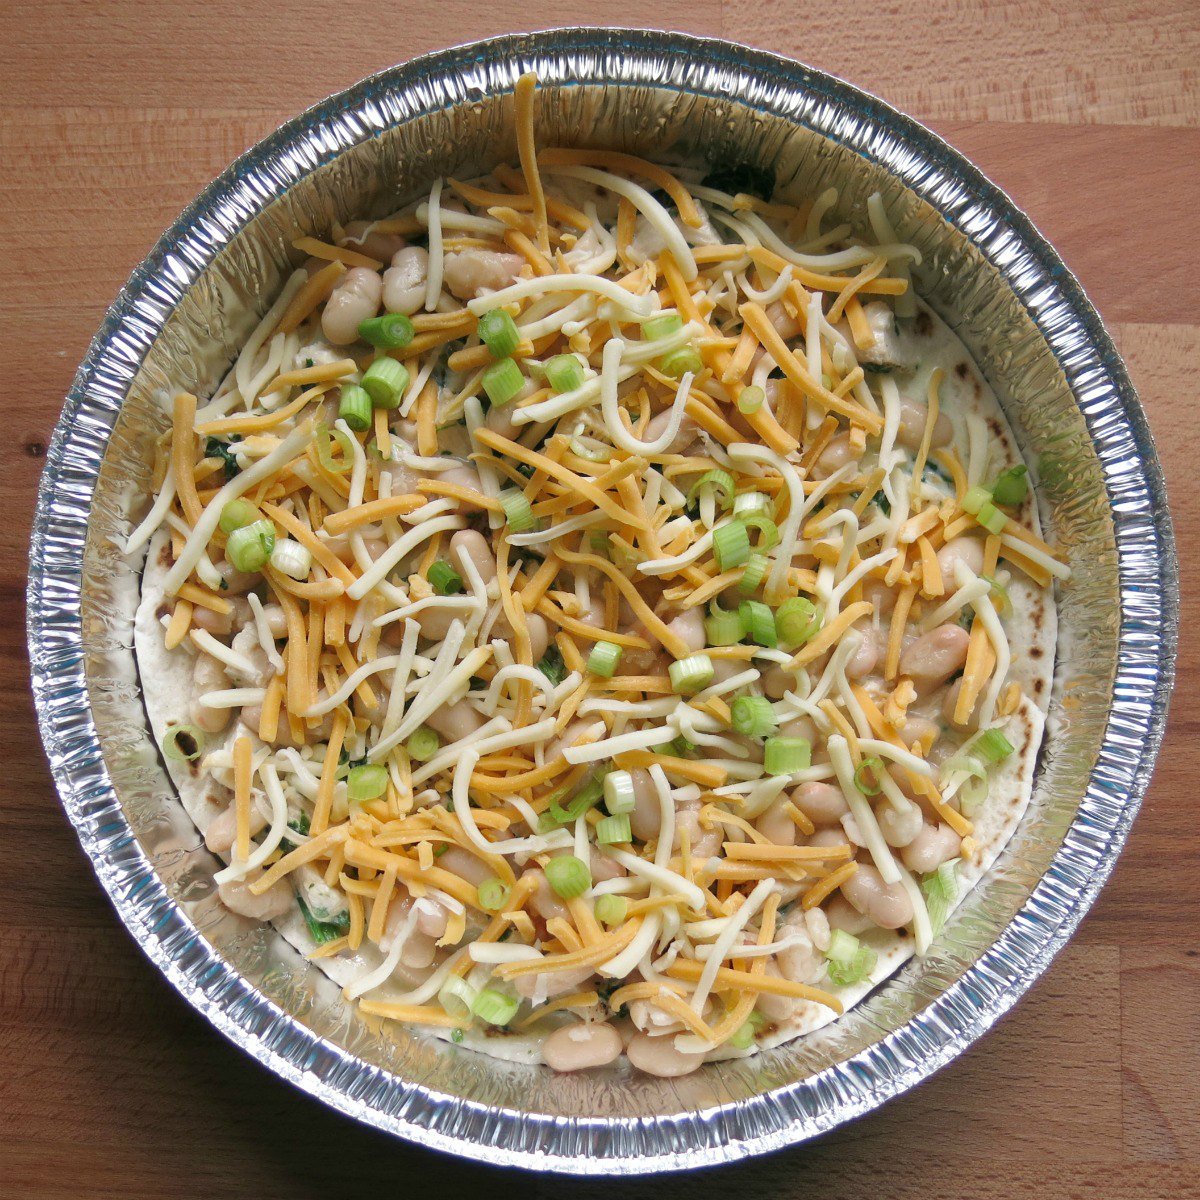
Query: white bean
x=934, y=845
x=354, y=300
x=358, y=235
x=950, y=703
x=468, y=272
x=404, y=280
x=208, y=675
x=274, y=902
x=935, y=656
x=888, y=905
x=646, y=818
x=968, y=550
x=478, y=549
x=455, y=721
x=776, y=825
x=899, y=827
x=913, y=415
x=821, y=803
x=689, y=626
x=582, y=1046
x=222, y=829
x=658, y=1056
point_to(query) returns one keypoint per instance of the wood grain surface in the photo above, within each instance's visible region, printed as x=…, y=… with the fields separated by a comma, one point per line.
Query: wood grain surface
x=114, y=113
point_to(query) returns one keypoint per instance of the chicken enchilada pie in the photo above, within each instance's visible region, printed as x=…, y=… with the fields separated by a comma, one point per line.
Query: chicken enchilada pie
x=601, y=612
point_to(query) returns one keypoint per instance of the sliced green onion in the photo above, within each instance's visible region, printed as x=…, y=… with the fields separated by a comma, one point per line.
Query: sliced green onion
x=743, y=1037
x=759, y=623
x=236, y=514
x=183, y=743
x=392, y=331
x=941, y=890
x=551, y=665
x=973, y=790
x=423, y=743
x=993, y=746
x=681, y=362
x=797, y=620
x=568, y=876
x=611, y=910
x=587, y=797
x=603, y=659
x=658, y=328
x=751, y=502
x=457, y=996
x=367, y=782
x=291, y=559
x=249, y=548
x=1000, y=596
x=690, y=674
x=753, y=573
x=974, y=499
x=355, y=407
x=866, y=776
x=849, y=960
x=765, y=526
x=619, y=794
x=499, y=333
x=444, y=579
x=1011, y=486
x=722, y=627
x=384, y=381
x=323, y=436
x=991, y=518
x=502, y=381
x=496, y=1008
x=719, y=480
x=613, y=831
x=754, y=716
x=750, y=399
x=731, y=545
x=493, y=894
x=564, y=373
x=517, y=510
x=592, y=450
x=784, y=755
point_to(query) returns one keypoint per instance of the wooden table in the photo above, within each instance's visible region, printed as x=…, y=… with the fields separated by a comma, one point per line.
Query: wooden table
x=115, y=114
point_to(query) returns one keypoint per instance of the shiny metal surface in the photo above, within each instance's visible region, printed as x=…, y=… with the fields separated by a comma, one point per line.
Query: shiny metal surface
x=178, y=322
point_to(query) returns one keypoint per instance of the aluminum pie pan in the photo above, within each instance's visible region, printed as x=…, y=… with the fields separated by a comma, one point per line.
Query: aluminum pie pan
x=1032, y=331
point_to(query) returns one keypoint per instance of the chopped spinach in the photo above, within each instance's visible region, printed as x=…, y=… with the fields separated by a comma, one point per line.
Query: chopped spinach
x=877, y=368
x=300, y=825
x=215, y=448
x=456, y=1036
x=742, y=177
x=552, y=666
x=324, y=931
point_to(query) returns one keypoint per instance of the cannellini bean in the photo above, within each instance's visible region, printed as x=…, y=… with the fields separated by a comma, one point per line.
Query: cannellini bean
x=222, y=829
x=899, y=827
x=544, y=900
x=208, y=675
x=535, y=625
x=358, y=235
x=785, y=324
x=799, y=727
x=434, y=622
x=817, y=924
x=657, y=426
x=465, y=865
x=821, y=803
x=464, y=476
x=455, y=721
x=604, y=867
x=404, y=280
x=866, y=658
x=552, y=983
x=354, y=300
x=887, y=905
x=777, y=825
x=912, y=426
x=935, y=656
x=276, y=620
x=237, y=583
x=646, y=818
x=658, y=1056
x=478, y=549
x=918, y=728
x=777, y=683
x=704, y=843
x=840, y=914
x=876, y=592
x=802, y=962
x=950, y=703
x=934, y=845
x=836, y=455
x=581, y=1046
x=468, y=272
x=967, y=550
x=773, y=1007
x=218, y=624
x=274, y=902
x=689, y=626
x=569, y=736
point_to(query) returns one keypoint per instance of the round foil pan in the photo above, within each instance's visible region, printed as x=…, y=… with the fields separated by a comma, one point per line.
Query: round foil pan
x=178, y=323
